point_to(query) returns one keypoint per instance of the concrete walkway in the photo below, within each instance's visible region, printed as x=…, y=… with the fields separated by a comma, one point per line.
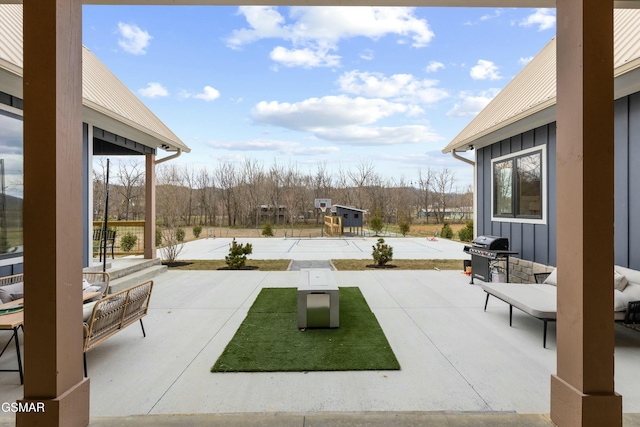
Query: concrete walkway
x=297, y=265
x=460, y=365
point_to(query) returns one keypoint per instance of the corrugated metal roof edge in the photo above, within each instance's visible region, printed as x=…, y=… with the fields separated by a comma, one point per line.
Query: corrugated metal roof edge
x=108, y=113
x=542, y=113
x=14, y=70
x=492, y=134
x=10, y=67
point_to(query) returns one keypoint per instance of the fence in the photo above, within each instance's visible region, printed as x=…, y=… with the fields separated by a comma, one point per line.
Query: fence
x=123, y=227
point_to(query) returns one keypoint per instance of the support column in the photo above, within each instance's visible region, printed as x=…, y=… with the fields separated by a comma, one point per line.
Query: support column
x=53, y=214
x=150, y=207
x=582, y=392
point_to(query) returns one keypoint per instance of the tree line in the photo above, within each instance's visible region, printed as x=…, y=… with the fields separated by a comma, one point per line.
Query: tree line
x=250, y=193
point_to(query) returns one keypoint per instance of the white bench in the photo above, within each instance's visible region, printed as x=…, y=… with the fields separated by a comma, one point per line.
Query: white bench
x=318, y=299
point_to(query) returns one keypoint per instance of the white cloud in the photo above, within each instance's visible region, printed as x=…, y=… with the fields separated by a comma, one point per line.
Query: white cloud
x=328, y=111
x=545, y=19
x=306, y=58
x=133, y=39
x=434, y=66
x=153, y=90
x=496, y=13
x=486, y=17
x=485, y=70
x=367, y=55
x=525, y=60
x=400, y=87
x=471, y=104
x=282, y=147
x=209, y=94
x=343, y=120
x=379, y=136
x=320, y=29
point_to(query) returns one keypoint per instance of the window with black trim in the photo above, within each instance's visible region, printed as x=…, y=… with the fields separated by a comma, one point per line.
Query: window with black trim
x=517, y=186
x=11, y=184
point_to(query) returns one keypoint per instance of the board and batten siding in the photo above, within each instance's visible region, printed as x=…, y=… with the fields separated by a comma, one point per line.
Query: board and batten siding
x=537, y=242
x=533, y=242
x=627, y=181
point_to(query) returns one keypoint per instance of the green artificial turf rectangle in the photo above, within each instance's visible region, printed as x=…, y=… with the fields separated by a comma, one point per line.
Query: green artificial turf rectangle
x=268, y=340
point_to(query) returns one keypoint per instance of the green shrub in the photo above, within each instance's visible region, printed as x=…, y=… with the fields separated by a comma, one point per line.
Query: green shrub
x=466, y=234
x=382, y=253
x=197, y=230
x=446, y=232
x=267, y=231
x=128, y=241
x=238, y=254
x=376, y=224
x=158, y=237
x=180, y=234
x=405, y=227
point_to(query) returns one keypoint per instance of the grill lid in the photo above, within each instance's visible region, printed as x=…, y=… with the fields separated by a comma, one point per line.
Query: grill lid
x=494, y=243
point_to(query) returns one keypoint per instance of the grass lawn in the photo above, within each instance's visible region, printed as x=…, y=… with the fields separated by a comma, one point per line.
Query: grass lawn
x=401, y=264
x=268, y=340
x=214, y=264
x=340, y=264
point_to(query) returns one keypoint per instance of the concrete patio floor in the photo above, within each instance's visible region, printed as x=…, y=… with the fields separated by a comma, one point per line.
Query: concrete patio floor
x=456, y=359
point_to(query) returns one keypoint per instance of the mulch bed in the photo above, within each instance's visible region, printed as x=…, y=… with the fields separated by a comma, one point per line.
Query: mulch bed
x=177, y=264
x=381, y=266
x=246, y=267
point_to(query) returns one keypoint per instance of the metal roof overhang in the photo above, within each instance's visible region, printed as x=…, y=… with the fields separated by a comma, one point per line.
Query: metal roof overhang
x=627, y=81
x=93, y=114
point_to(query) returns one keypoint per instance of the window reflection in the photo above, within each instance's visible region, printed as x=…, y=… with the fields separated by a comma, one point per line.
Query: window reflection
x=11, y=183
x=503, y=177
x=517, y=186
x=529, y=185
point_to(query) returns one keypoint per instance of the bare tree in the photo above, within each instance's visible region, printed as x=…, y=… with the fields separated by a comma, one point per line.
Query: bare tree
x=253, y=180
x=130, y=177
x=227, y=180
x=322, y=185
x=441, y=186
x=360, y=178
x=170, y=195
x=188, y=177
x=424, y=188
x=274, y=190
x=99, y=179
x=206, y=198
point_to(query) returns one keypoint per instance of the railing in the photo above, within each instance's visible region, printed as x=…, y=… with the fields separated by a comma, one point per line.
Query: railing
x=333, y=225
x=136, y=228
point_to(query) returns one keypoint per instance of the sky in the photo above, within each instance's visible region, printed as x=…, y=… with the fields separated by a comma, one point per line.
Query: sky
x=313, y=85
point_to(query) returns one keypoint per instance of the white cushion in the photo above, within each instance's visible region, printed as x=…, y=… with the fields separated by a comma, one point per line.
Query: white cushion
x=633, y=290
x=552, y=278
x=8, y=292
x=633, y=276
x=619, y=281
x=621, y=300
x=87, y=309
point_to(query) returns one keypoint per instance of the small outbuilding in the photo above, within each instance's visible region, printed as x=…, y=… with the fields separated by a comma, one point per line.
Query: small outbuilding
x=342, y=217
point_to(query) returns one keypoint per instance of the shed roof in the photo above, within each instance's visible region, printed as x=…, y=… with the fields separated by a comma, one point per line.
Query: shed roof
x=107, y=102
x=529, y=100
x=351, y=208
